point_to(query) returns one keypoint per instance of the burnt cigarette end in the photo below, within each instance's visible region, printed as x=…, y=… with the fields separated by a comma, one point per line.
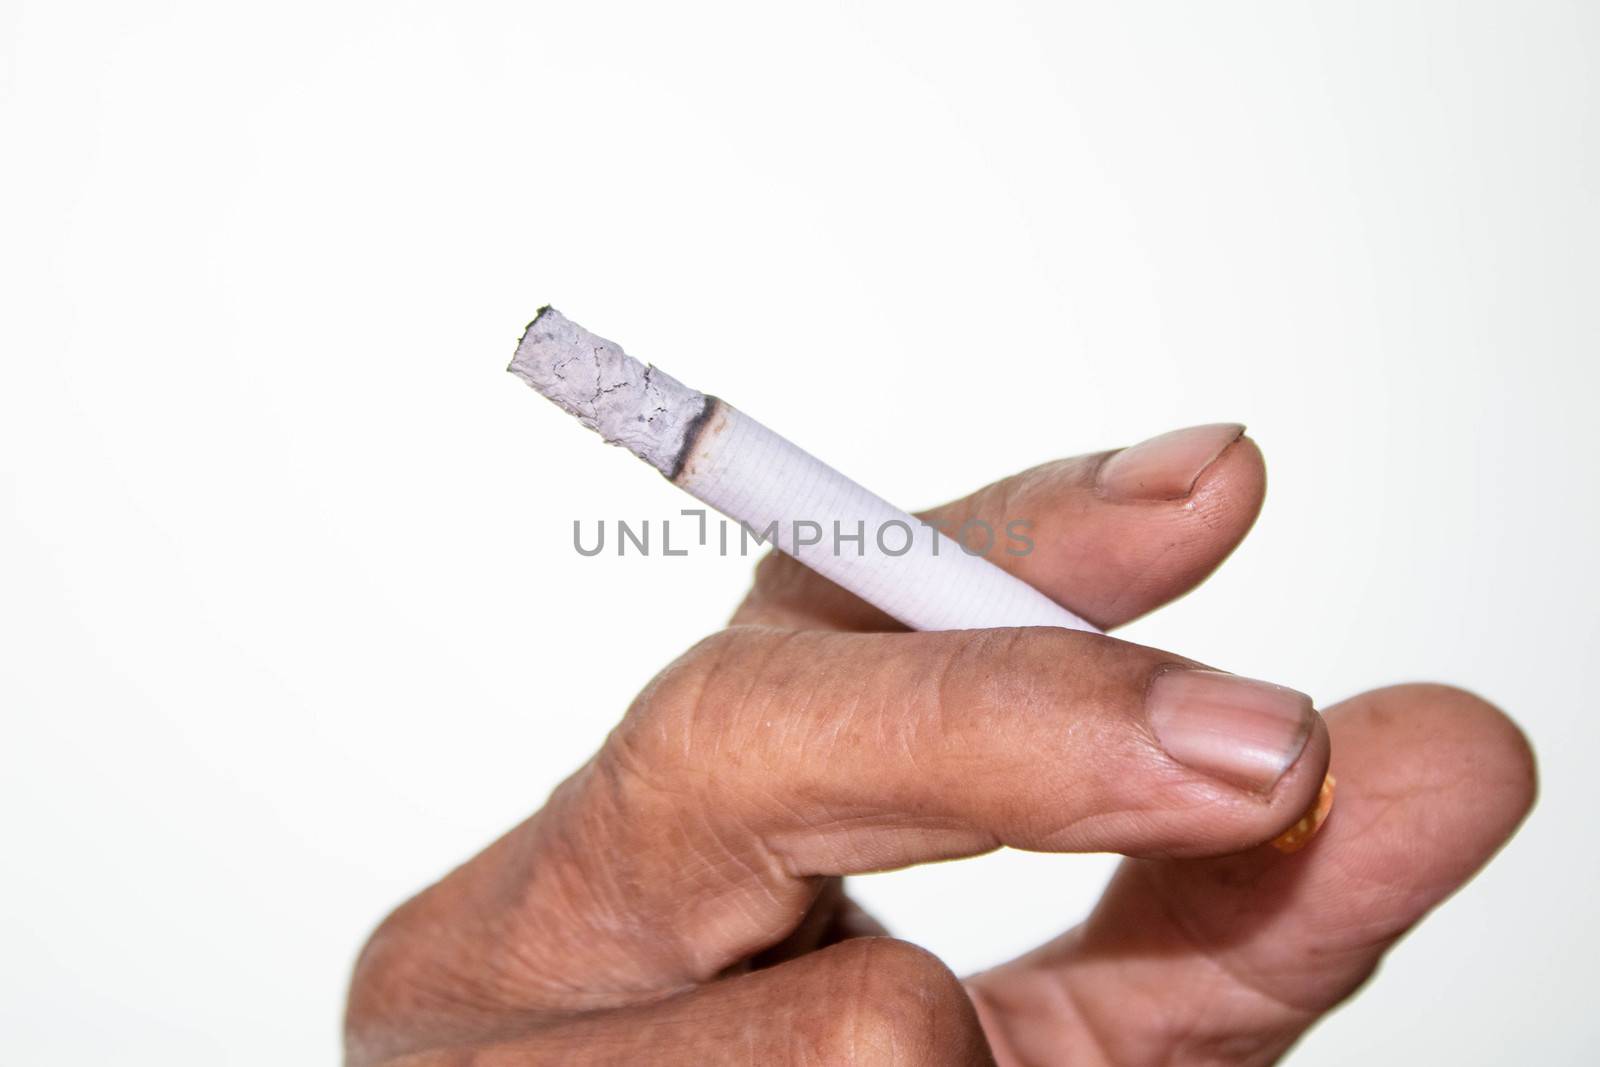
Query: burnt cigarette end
x=644, y=410
x=692, y=434
x=763, y=481
x=536, y=316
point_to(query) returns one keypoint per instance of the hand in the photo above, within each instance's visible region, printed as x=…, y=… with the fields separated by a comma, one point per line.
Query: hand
x=678, y=899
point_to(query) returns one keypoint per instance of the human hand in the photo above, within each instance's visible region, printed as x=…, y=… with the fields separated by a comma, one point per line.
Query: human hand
x=678, y=899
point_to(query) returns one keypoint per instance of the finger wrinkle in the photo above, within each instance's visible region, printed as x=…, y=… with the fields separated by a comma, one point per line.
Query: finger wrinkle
x=1053, y=1004
x=1182, y=924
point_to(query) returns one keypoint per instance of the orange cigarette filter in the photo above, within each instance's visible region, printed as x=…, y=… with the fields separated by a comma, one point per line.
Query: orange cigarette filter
x=1300, y=834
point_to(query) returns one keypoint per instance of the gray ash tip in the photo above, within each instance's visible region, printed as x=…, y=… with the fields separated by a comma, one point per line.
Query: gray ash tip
x=640, y=408
x=536, y=316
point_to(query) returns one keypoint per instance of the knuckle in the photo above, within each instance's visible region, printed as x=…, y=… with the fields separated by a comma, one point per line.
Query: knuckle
x=700, y=703
x=686, y=710
x=385, y=984
x=897, y=1004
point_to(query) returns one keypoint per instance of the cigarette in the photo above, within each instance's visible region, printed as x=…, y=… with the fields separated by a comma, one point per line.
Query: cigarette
x=779, y=492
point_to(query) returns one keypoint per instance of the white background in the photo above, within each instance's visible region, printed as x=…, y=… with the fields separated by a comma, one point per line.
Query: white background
x=290, y=621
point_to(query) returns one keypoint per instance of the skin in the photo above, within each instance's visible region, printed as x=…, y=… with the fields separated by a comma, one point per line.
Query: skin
x=678, y=900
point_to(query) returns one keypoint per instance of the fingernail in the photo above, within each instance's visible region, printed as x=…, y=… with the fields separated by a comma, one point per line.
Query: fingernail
x=1166, y=467
x=1238, y=729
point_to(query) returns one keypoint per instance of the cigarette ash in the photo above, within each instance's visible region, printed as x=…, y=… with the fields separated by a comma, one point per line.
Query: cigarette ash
x=641, y=408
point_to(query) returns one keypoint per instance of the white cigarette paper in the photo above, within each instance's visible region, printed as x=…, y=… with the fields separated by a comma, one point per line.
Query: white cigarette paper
x=718, y=454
